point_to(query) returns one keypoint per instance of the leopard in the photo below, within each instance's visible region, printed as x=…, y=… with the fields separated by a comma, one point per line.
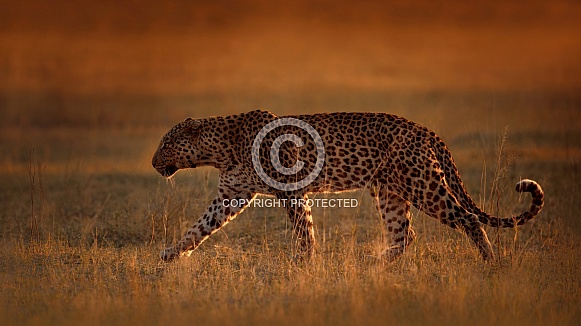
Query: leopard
x=400, y=163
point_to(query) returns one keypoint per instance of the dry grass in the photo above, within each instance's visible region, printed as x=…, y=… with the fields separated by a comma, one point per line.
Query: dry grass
x=440, y=283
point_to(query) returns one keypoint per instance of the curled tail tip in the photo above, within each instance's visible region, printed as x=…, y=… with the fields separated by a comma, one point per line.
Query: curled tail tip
x=538, y=195
x=527, y=185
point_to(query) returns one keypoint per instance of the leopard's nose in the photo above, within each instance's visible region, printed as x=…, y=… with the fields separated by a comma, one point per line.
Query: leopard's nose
x=155, y=159
x=159, y=165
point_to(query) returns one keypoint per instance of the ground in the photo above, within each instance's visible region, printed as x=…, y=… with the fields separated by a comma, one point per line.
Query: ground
x=84, y=215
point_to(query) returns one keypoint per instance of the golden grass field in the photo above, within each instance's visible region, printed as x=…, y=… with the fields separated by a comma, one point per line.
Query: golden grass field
x=88, y=89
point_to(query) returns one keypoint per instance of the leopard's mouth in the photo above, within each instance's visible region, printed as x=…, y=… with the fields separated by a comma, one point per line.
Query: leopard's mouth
x=168, y=171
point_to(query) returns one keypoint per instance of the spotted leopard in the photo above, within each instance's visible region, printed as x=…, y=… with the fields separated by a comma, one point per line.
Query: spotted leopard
x=400, y=162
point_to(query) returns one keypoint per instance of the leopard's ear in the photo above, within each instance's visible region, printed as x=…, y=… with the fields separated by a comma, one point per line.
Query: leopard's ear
x=192, y=125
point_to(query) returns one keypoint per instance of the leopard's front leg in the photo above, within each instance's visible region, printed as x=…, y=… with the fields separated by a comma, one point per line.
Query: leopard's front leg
x=226, y=206
x=301, y=219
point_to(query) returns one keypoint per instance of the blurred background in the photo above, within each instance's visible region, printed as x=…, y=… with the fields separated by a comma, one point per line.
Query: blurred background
x=76, y=76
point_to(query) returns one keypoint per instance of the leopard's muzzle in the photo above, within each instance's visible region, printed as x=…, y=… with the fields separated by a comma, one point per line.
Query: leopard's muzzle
x=167, y=171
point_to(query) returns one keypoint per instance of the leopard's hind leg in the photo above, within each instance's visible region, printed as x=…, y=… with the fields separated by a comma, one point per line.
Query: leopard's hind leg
x=443, y=206
x=430, y=192
x=395, y=216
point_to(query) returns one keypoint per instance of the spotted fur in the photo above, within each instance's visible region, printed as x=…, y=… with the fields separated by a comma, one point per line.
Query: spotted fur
x=400, y=162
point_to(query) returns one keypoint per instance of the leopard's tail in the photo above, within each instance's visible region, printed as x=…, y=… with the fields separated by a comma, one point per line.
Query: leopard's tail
x=524, y=185
x=457, y=187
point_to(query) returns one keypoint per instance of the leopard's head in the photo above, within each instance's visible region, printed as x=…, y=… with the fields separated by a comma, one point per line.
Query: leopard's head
x=178, y=148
